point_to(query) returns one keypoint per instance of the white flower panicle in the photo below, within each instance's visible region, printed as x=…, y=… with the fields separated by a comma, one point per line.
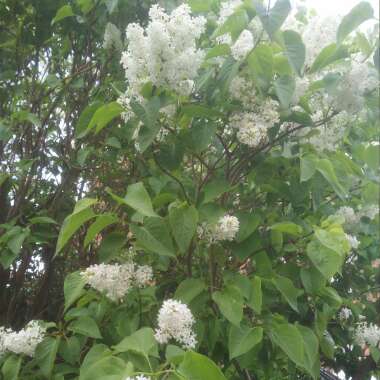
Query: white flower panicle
x=348, y=214
x=243, y=90
x=369, y=211
x=367, y=334
x=165, y=52
x=353, y=241
x=24, y=341
x=112, y=38
x=175, y=321
x=253, y=126
x=138, y=377
x=319, y=33
x=116, y=280
x=226, y=228
x=227, y=8
x=243, y=45
x=345, y=313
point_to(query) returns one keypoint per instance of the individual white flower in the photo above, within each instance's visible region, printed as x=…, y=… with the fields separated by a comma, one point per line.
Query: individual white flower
x=175, y=321
x=367, y=334
x=112, y=37
x=243, y=45
x=353, y=241
x=24, y=341
x=226, y=228
x=345, y=313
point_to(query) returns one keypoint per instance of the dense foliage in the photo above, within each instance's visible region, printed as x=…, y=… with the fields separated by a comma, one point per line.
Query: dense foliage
x=196, y=198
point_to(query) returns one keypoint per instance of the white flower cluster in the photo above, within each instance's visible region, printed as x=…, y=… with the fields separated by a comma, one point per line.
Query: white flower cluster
x=112, y=37
x=225, y=229
x=253, y=126
x=227, y=9
x=24, y=341
x=164, y=53
x=175, y=321
x=367, y=334
x=356, y=81
x=369, y=211
x=319, y=33
x=115, y=280
x=138, y=377
x=353, y=241
x=348, y=214
x=243, y=45
x=243, y=90
x=345, y=313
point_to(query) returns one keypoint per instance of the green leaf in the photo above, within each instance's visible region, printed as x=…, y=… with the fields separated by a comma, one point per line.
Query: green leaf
x=325, y=167
x=248, y=224
x=290, y=340
x=198, y=367
x=230, y=303
x=294, y=50
x=256, y=299
x=194, y=110
x=84, y=119
x=307, y=169
x=327, y=261
x=214, y=189
x=146, y=240
x=101, y=222
x=62, y=13
x=45, y=355
x=200, y=5
x=183, y=221
x=70, y=225
x=260, y=64
x=234, y=24
x=83, y=204
x=105, y=368
x=138, y=198
x=285, y=286
x=15, y=242
x=111, y=246
x=103, y=115
x=312, y=280
x=242, y=339
x=141, y=341
x=311, y=348
x=73, y=288
x=277, y=15
x=11, y=367
x=148, y=115
x=42, y=220
x=288, y=227
x=86, y=326
x=358, y=14
x=189, y=289
x=328, y=55
x=284, y=87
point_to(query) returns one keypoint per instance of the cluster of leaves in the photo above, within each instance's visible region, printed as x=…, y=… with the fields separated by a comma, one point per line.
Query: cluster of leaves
x=266, y=304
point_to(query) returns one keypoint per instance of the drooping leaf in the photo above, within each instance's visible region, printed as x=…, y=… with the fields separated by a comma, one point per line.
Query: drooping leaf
x=273, y=20
x=183, y=221
x=45, y=355
x=290, y=340
x=73, y=288
x=188, y=289
x=327, y=56
x=284, y=87
x=101, y=222
x=358, y=14
x=138, y=198
x=242, y=339
x=325, y=167
x=285, y=286
x=103, y=115
x=256, y=298
x=85, y=326
x=294, y=49
x=196, y=367
x=62, y=13
x=230, y=303
x=11, y=367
